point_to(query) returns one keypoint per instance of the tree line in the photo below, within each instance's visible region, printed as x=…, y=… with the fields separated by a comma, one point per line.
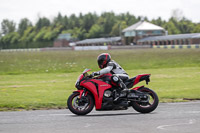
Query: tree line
x=90, y=25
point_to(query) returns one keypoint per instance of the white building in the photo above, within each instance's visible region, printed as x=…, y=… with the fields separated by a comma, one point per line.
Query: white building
x=141, y=30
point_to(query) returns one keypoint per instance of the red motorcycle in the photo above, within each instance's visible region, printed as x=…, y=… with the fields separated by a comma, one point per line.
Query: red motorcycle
x=102, y=93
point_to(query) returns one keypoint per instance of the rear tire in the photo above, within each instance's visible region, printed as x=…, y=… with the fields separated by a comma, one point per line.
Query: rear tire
x=74, y=107
x=146, y=107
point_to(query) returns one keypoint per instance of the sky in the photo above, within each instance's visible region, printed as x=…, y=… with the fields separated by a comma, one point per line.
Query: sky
x=152, y=9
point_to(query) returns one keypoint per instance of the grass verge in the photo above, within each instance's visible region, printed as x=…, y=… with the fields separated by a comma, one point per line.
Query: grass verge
x=51, y=90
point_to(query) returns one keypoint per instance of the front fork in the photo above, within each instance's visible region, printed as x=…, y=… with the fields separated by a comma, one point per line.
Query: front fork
x=82, y=94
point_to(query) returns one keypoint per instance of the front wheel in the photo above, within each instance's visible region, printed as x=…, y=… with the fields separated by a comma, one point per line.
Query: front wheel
x=149, y=105
x=79, y=106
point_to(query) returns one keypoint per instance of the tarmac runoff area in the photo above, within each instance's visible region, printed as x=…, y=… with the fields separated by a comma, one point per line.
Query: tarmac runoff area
x=167, y=118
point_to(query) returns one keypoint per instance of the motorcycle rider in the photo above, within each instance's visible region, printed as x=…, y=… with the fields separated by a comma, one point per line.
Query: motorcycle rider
x=110, y=66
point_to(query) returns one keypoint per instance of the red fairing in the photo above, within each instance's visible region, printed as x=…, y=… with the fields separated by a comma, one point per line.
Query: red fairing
x=136, y=88
x=81, y=76
x=137, y=80
x=97, y=87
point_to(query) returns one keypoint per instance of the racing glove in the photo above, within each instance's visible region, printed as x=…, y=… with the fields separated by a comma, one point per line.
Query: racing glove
x=95, y=74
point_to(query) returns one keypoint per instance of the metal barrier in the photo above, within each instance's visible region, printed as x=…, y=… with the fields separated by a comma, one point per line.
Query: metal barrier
x=21, y=50
x=77, y=48
x=193, y=46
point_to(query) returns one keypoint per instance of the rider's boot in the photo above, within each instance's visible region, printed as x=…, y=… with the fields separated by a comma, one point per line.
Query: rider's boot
x=124, y=91
x=124, y=88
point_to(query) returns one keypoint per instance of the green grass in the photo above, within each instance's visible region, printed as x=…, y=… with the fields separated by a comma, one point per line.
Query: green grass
x=33, y=91
x=38, y=80
x=75, y=61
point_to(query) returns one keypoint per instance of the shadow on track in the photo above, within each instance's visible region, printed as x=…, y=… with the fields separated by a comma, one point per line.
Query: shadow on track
x=100, y=115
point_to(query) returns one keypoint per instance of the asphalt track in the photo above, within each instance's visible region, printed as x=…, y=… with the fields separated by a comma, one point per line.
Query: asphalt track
x=167, y=118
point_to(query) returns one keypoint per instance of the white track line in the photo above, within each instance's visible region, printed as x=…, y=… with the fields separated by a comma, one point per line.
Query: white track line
x=192, y=121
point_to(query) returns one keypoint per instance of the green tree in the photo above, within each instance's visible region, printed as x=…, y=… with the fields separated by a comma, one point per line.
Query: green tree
x=95, y=31
x=10, y=40
x=159, y=22
x=14, y=37
x=40, y=34
x=89, y=20
x=73, y=22
x=65, y=23
x=42, y=22
x=108, y=22
x=196, y=28
x=76, y=33
x=7, y=26
x=52, y=33
x=117, y=28
x=59, y=18
x=26, y=36
x=186, y=26
x=23, y=25
x=130, y=19
x=171, y=28
x=90, y=25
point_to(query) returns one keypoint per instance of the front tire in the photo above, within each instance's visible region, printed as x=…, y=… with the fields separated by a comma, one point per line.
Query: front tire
x=80, y=108
x=146, y=107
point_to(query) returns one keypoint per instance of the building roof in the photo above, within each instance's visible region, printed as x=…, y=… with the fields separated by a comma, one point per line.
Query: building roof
x=171, y=37
x=142, y=25
x=99, y=40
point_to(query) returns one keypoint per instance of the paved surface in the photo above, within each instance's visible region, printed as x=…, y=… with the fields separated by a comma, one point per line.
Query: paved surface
x=167, y=118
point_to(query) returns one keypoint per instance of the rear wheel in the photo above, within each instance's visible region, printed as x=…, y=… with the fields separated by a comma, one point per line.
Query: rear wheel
x=79, y=106
x=148, y=105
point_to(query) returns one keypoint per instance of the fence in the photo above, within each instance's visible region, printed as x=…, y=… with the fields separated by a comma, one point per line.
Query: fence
x=177, y=46
x=78, y=48
x=21, y=50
